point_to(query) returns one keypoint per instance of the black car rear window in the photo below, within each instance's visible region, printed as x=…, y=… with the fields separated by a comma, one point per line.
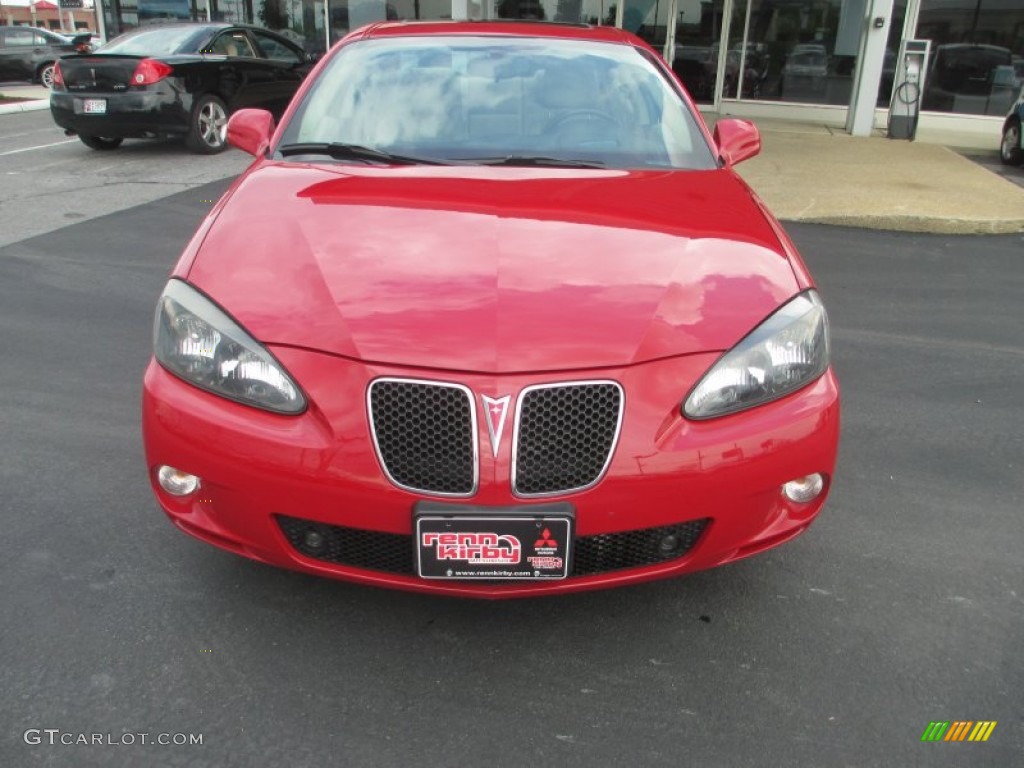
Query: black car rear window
x=161, y=41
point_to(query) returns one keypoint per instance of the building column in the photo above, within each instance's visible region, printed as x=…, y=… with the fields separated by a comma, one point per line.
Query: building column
x=101, y=21
x=860, y=119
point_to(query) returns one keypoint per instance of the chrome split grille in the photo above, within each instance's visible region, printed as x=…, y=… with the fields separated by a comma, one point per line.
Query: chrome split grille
x=425, y=434
x=565, y=435
x=427, y=441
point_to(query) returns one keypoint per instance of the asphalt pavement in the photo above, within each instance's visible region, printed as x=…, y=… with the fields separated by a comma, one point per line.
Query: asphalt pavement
x=49, y=181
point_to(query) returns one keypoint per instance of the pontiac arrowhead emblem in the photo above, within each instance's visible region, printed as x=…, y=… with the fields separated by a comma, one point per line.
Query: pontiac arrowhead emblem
x=495, y=410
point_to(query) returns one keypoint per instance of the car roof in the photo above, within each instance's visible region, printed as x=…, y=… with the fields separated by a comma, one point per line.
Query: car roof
x=503, y=28
x=209, y=25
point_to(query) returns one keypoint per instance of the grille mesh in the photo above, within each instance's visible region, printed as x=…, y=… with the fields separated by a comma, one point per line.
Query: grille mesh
x=375, y=551
x=565, y=436
x=393, y=553
x=426, y=436
x=615, y=551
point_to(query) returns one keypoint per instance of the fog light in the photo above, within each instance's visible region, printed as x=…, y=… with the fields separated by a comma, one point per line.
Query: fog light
x=176, y=482
x=804, y=489
x=669, y=544
x=314, y=540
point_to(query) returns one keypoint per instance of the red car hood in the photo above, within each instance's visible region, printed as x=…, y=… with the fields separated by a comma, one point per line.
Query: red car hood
x=494, y=270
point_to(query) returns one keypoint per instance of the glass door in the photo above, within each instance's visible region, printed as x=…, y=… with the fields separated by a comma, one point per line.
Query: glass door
x=696, y=56
x=650, y=21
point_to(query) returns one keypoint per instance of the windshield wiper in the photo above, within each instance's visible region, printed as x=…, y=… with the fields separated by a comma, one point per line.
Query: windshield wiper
x=534, y=161
x=341, y=151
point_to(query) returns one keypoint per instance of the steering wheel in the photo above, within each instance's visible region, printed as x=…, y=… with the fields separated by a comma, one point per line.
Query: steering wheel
x=586, y=115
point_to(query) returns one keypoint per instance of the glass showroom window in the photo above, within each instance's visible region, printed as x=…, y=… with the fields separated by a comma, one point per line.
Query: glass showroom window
x=301, y=21
x=121, y=16
x=569, y=11
x=804, y=52
x=977, y=65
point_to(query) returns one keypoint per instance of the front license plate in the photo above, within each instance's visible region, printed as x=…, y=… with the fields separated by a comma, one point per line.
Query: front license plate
x=94, y=106
x=477, y=544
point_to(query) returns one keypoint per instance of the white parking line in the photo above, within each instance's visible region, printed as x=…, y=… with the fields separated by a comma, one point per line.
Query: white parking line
x=41, y=146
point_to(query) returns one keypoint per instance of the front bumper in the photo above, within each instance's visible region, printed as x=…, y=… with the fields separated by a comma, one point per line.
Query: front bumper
x=264, y=476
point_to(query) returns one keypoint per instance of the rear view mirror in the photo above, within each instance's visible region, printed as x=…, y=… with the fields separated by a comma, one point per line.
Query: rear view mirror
x=250, y=130
x=737, y=140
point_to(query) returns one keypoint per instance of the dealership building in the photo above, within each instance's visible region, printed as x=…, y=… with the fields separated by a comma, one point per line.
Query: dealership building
x=831, y=61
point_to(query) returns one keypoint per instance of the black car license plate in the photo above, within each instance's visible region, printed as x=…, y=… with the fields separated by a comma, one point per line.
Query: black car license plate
x=493, y=543
x=90, y=106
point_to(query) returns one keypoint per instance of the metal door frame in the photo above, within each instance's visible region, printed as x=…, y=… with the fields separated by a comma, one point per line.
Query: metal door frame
x=723, y=44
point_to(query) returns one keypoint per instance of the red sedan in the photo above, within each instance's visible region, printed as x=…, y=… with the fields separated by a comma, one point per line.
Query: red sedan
x=491, y=315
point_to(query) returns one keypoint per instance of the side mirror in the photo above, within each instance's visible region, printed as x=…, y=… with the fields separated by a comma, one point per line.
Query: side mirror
x=737, y=140
x=250, y=130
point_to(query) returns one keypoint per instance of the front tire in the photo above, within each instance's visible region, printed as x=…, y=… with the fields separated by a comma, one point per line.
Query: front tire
x=1009, y=150
x=99, y=142
x=45, y=74
x=208, y=129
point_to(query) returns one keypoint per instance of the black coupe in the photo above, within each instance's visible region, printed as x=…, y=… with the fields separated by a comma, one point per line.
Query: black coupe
x=175, y=80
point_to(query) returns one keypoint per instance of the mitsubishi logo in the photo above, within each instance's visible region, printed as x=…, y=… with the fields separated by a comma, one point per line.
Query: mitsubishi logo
x=545, y=540
x=495, y=411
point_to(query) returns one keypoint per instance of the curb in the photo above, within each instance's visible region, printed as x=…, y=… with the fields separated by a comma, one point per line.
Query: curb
x=25, y=106
x=917, y=224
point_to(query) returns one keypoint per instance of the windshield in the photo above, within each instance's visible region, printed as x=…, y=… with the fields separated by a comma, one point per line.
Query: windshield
x=157, y=42
x=494, y=99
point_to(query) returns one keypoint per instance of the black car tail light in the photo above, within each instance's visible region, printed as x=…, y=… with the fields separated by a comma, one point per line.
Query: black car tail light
x=150, y=71
x=58, y=77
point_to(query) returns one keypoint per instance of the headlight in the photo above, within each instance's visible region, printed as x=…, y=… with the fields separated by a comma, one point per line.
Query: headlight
x=197, y=341
x=787, y=351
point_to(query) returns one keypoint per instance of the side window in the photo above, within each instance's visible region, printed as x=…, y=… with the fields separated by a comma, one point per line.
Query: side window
x=17, y=37
x=233, y=44
x=275, y=49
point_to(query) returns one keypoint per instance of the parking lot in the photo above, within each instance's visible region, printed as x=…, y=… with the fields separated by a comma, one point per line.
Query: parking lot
x=903, y=605
x=49, y=180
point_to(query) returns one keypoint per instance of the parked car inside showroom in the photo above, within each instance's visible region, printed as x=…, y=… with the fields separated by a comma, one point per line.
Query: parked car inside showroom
x=175, y=80
x=1011, y=148
x=491, y=314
